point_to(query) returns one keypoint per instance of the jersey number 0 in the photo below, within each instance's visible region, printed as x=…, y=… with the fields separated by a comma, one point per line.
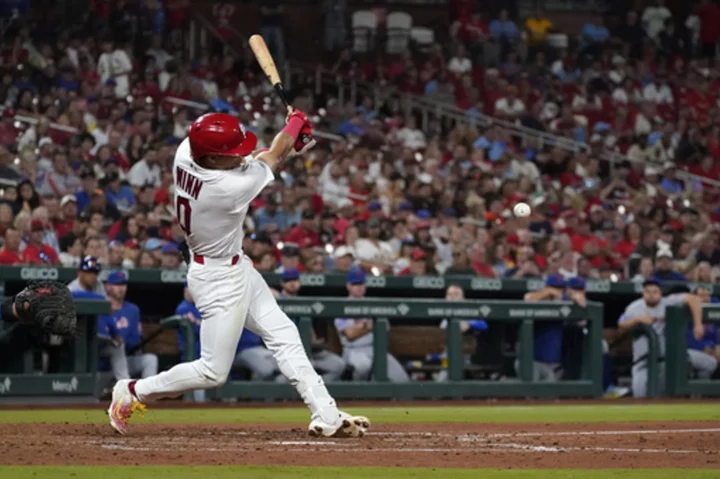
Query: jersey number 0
x=182, y=211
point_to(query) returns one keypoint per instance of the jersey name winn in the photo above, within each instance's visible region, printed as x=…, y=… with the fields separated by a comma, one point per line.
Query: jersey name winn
x=210, y=205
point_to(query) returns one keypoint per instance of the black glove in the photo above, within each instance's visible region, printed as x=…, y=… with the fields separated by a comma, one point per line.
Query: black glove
x=49, y=305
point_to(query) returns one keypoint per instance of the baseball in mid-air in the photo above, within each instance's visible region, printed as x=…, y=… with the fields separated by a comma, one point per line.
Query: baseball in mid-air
x=521, y=210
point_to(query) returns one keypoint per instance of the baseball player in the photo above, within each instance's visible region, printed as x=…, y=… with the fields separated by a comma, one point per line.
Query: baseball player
x=650, y=310
x=87, y=279
x=328, y=363
x=126, y=359
x=548, y=334
x=356, y=336
x=705, y=350
x=216, y=175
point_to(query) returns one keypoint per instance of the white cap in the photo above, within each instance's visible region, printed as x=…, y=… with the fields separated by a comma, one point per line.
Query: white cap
x=343, y=251
x=664, y=252
x=67, y=199
x=425, y=178
x=46, y=140
x=342, y=203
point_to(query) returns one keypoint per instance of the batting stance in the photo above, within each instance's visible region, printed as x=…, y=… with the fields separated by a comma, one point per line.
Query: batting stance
x=650, y=310
x=216, y=175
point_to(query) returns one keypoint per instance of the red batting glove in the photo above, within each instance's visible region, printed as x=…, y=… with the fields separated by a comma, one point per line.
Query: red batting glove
x=304, y=142
x=297, y=114
x=304, y=137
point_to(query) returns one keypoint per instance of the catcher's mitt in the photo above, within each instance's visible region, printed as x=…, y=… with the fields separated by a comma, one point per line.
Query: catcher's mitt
x=48, y=304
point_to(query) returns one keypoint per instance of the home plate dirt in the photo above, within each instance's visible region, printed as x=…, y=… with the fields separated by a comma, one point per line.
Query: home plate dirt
x=604, y=445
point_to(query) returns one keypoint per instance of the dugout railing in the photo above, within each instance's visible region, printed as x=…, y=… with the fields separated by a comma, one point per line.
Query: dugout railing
x=677, y=374
x=383, y=311
x=80, y=381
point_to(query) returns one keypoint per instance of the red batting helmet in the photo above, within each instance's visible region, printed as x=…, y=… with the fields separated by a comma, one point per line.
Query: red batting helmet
x=220, y=134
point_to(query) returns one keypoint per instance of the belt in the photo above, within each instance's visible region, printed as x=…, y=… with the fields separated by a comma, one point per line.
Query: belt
x=199, y=259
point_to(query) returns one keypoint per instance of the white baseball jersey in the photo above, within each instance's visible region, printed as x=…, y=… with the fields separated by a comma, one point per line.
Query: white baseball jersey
x=211, y=204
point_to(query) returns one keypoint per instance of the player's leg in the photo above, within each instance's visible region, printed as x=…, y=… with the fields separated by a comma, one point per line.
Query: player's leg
x=260, y=361
x=118, y=361
x=640, y=378
x=281, y=336
x=330, y=365
x=704, y=364
x=142, y=365
x=396, y=373
x=223, y=304
x=361, y=360
x=147, y=364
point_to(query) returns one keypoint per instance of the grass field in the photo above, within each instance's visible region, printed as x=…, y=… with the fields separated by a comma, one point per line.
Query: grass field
x=398, y=415
x=455, y=414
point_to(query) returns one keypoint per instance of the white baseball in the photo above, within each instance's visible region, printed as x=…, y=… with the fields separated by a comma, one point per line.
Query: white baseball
x=521, y=210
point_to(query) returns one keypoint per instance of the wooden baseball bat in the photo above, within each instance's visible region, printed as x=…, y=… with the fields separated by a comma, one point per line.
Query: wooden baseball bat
x=262, y=54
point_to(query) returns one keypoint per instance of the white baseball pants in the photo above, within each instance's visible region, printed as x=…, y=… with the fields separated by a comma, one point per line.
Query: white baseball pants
x=230, y=298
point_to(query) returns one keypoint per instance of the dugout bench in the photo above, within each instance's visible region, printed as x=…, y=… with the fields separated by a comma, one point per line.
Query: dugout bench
x=524, y=315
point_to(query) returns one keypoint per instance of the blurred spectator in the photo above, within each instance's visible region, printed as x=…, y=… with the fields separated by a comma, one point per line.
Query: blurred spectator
x=146, y=171
x=271, y=29
x=537, y=26
x=411, y=136
x=504, y=29
x=709, y=14
x=114, y=67
x=60, y=180
x=270, y=213
x=594, y=37
x=117, y=194
x=663, y=267
x=170, y=258
x=460, y=64
x=10, y=255
x=654, y=17
x=70, y=250
x=37, y=252
x=343, y=258
x=709, y=251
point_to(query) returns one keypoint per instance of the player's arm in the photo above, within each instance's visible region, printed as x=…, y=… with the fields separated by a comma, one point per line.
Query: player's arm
x=361, y=328
x=634, y=315
x=353, y=329
x=694, y=302
x=286, y=142
x=545, y=294
x=8, y=311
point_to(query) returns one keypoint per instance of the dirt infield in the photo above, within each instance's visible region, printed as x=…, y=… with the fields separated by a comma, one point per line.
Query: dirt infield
x=653, y=445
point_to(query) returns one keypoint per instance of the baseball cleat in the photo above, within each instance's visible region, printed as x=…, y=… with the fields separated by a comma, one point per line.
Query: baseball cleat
x=345, y=426
x=123, y=406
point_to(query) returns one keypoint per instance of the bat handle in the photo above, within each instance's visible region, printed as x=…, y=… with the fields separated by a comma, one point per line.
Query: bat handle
x=281, y=94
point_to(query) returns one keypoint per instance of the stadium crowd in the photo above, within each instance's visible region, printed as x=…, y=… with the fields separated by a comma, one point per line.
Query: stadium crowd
x=89, y=173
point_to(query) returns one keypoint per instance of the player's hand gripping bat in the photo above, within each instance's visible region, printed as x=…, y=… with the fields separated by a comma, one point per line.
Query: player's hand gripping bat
x=305, y=141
